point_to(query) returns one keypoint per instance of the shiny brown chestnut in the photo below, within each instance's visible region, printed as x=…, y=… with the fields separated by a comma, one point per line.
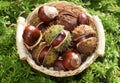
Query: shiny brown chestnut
x=43, y=52
x=31, y=36
x=83, y=19
x=50, y=57
x=58, y=65
x=71, y=60
x=60, y=37
x=39, y=52
x=43, y=26
x=47, y=13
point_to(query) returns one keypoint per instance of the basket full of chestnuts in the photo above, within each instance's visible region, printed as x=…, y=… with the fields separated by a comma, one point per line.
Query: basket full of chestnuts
x=60, y=39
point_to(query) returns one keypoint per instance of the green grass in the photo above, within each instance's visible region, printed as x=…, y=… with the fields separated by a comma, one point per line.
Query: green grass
x=104, y=70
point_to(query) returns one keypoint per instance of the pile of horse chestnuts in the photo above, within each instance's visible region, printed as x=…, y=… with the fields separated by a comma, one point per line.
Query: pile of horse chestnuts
x=61, y=40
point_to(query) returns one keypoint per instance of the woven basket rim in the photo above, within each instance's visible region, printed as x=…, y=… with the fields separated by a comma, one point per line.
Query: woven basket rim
x=25, y=55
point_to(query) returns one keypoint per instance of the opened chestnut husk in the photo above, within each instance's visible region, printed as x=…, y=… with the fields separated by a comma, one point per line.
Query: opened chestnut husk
x=59, y=38
x=96, y=36
x=83, y=30
x=31, y=36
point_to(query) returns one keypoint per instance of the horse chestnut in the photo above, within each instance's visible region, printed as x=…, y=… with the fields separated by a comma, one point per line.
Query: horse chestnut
x=58, y=65
x=47, y=13
x=31, y=35
x=71, y=60
x=43, y=52
x=87, y=46
x=83, y=19
x=60, y=37
x=42, y=27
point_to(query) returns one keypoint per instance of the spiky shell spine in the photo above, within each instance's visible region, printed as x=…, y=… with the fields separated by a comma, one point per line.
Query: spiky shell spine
x=52, y=32
x=36, y=51
x=50, y=57
x=65, y=44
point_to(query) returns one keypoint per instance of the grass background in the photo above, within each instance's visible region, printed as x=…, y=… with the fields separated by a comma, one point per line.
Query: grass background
x=104, y=70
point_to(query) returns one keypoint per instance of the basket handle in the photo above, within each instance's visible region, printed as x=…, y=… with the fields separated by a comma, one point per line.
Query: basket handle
x=19, y=40
x=101, y=36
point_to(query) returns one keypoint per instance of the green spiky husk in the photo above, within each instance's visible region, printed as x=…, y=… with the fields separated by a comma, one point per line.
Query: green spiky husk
x=50, y=58
x=36, y=51
x=52, y=32
x=65, y=45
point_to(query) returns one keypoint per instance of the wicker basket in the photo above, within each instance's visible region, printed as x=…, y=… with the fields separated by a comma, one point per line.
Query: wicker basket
x=33, y=19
